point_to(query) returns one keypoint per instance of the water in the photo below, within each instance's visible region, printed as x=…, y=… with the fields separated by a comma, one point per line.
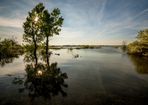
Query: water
x=105, y=76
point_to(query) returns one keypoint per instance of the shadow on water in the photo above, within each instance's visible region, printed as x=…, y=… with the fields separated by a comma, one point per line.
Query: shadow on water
x=42, y=80
x=140, y=64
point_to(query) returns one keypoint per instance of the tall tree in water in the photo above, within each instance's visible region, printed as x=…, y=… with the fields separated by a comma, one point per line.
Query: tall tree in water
x=40, y=25
x=52, y=23
x=32, y=28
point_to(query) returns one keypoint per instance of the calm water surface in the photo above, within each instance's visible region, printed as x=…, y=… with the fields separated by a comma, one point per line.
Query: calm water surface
x=105, y=76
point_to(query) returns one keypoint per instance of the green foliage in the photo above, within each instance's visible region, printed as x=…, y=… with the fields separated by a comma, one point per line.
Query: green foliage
x=32, y=31
x=52, y=23
x=143, y=36
x=140, y=46
x=135, y=48
x=29, y=53
x=6, y=60
x=40, y=25
x=40, y=22
x=9, y=48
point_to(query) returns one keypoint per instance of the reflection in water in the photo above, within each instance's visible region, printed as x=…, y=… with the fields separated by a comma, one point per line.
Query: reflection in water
x=140, y=64
x=102, y=77
x=70, y=51
x=6, y=60
x=42, y=79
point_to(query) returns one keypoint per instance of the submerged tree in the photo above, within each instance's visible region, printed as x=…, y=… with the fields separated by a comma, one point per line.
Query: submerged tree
x=124, y=46
x=40, y=25
x=32, y=28
x=52, y=23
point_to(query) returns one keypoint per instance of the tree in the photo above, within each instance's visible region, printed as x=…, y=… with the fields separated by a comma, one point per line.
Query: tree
x=143, y=36
x=123, y=46
x=9, y=48
x=40, y=25
x=52, y=23
x=134, y=48
x=32, y=28
x=140, y=46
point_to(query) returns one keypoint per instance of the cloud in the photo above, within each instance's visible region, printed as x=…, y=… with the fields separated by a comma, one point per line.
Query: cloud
x=145, y=11
x=11, y=22
x=85, y=21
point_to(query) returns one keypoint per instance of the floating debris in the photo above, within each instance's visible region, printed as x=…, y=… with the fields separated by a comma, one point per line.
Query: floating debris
x=9, y=75
x=76, y=56
x=57, y=54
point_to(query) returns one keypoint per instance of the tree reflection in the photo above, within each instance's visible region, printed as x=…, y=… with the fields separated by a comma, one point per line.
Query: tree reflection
x=42, y=79
x=140, y=64
x=6, y=60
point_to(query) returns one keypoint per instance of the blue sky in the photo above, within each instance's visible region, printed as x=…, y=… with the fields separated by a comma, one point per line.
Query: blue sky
x=85, y=21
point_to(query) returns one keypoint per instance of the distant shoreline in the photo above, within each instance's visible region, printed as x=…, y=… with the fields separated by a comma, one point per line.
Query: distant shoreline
x=81, y=46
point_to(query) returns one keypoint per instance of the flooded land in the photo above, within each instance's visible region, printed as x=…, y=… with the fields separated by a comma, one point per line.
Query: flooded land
x=101, y=76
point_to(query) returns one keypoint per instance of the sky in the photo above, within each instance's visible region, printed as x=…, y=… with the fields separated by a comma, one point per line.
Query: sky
x=93, y=22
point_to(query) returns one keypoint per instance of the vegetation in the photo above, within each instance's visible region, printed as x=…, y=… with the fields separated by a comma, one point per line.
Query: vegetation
x=9, y=48
x=140, y=46
x=6, y=60
x=51, y=26
x=42, y=79
x=74, y=46
x=40, y=25
x=32, y=28
x=124, y=46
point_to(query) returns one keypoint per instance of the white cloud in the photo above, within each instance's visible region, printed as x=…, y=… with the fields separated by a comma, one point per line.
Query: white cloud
x=141, y=13
x=7, y=22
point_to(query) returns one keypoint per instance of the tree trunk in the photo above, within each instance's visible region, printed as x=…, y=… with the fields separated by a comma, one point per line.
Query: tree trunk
x=35, y=51
x=47, y=53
